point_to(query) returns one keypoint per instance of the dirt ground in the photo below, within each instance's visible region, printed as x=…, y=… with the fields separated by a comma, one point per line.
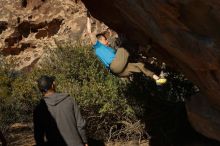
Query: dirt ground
x=22, y=135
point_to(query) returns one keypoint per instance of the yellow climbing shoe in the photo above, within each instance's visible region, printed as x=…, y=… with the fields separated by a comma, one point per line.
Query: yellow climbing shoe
x=161, y=81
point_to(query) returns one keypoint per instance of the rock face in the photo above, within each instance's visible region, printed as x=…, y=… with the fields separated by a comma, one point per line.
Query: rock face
x=29, y=26
x=186, y=34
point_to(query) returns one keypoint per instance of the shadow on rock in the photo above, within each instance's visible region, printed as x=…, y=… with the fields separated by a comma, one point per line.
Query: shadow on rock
x=162, y=109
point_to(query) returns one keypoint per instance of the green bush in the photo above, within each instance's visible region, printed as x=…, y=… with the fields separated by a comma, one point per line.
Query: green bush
x=99, y=93
x=110, y=105
x=6, y=103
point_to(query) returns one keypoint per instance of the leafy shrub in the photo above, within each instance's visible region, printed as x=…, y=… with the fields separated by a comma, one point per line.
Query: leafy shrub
x=6, y=105
x=110, y=105
x=99, y=93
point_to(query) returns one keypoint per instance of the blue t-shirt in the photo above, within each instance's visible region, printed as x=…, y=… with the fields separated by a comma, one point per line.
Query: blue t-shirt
x=104, y=53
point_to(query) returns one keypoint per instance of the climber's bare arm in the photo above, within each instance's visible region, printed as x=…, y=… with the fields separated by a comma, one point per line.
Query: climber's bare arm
x=89, y=30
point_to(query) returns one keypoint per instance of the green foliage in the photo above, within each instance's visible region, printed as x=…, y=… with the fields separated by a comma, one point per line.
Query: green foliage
x=79, y=73
x=109, y=104
x=5, y=89
x=99, y=93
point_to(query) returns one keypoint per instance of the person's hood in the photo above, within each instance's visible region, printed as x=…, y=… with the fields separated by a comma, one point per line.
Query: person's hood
x=55, y=98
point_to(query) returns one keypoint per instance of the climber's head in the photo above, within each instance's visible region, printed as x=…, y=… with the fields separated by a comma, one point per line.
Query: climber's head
x=102, y=39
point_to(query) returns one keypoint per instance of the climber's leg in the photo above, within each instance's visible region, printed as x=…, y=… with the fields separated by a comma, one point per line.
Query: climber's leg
x=120, y=61
x=129, y=70
x=147, y=72
x=122, y=68
x=137, y=68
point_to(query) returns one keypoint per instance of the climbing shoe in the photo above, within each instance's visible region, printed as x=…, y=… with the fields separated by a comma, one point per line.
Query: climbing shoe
x=161, y=81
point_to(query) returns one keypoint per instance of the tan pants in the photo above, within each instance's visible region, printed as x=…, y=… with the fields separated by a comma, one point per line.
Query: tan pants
x=122, y=68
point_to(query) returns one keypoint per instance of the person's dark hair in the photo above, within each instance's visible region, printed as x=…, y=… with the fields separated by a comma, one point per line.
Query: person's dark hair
x=100, y=35
x=106, y=33
x=45, y=83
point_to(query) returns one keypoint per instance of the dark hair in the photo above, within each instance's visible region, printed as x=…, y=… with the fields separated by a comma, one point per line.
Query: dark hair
x=100, y=35
x=45, y=83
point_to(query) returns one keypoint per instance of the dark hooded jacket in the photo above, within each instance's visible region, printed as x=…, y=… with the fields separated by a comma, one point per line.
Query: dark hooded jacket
x=58, y=118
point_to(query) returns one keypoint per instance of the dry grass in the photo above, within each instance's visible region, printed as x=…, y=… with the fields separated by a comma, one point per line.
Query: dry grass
x=22, y=135
x=129, y=143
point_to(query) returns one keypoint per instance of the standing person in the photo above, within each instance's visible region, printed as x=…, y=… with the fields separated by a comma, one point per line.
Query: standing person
x=117, y=60
x=2, y=138
x=57, y=118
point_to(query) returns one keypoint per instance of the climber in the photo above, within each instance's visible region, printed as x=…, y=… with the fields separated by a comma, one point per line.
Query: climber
x=117, y=60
